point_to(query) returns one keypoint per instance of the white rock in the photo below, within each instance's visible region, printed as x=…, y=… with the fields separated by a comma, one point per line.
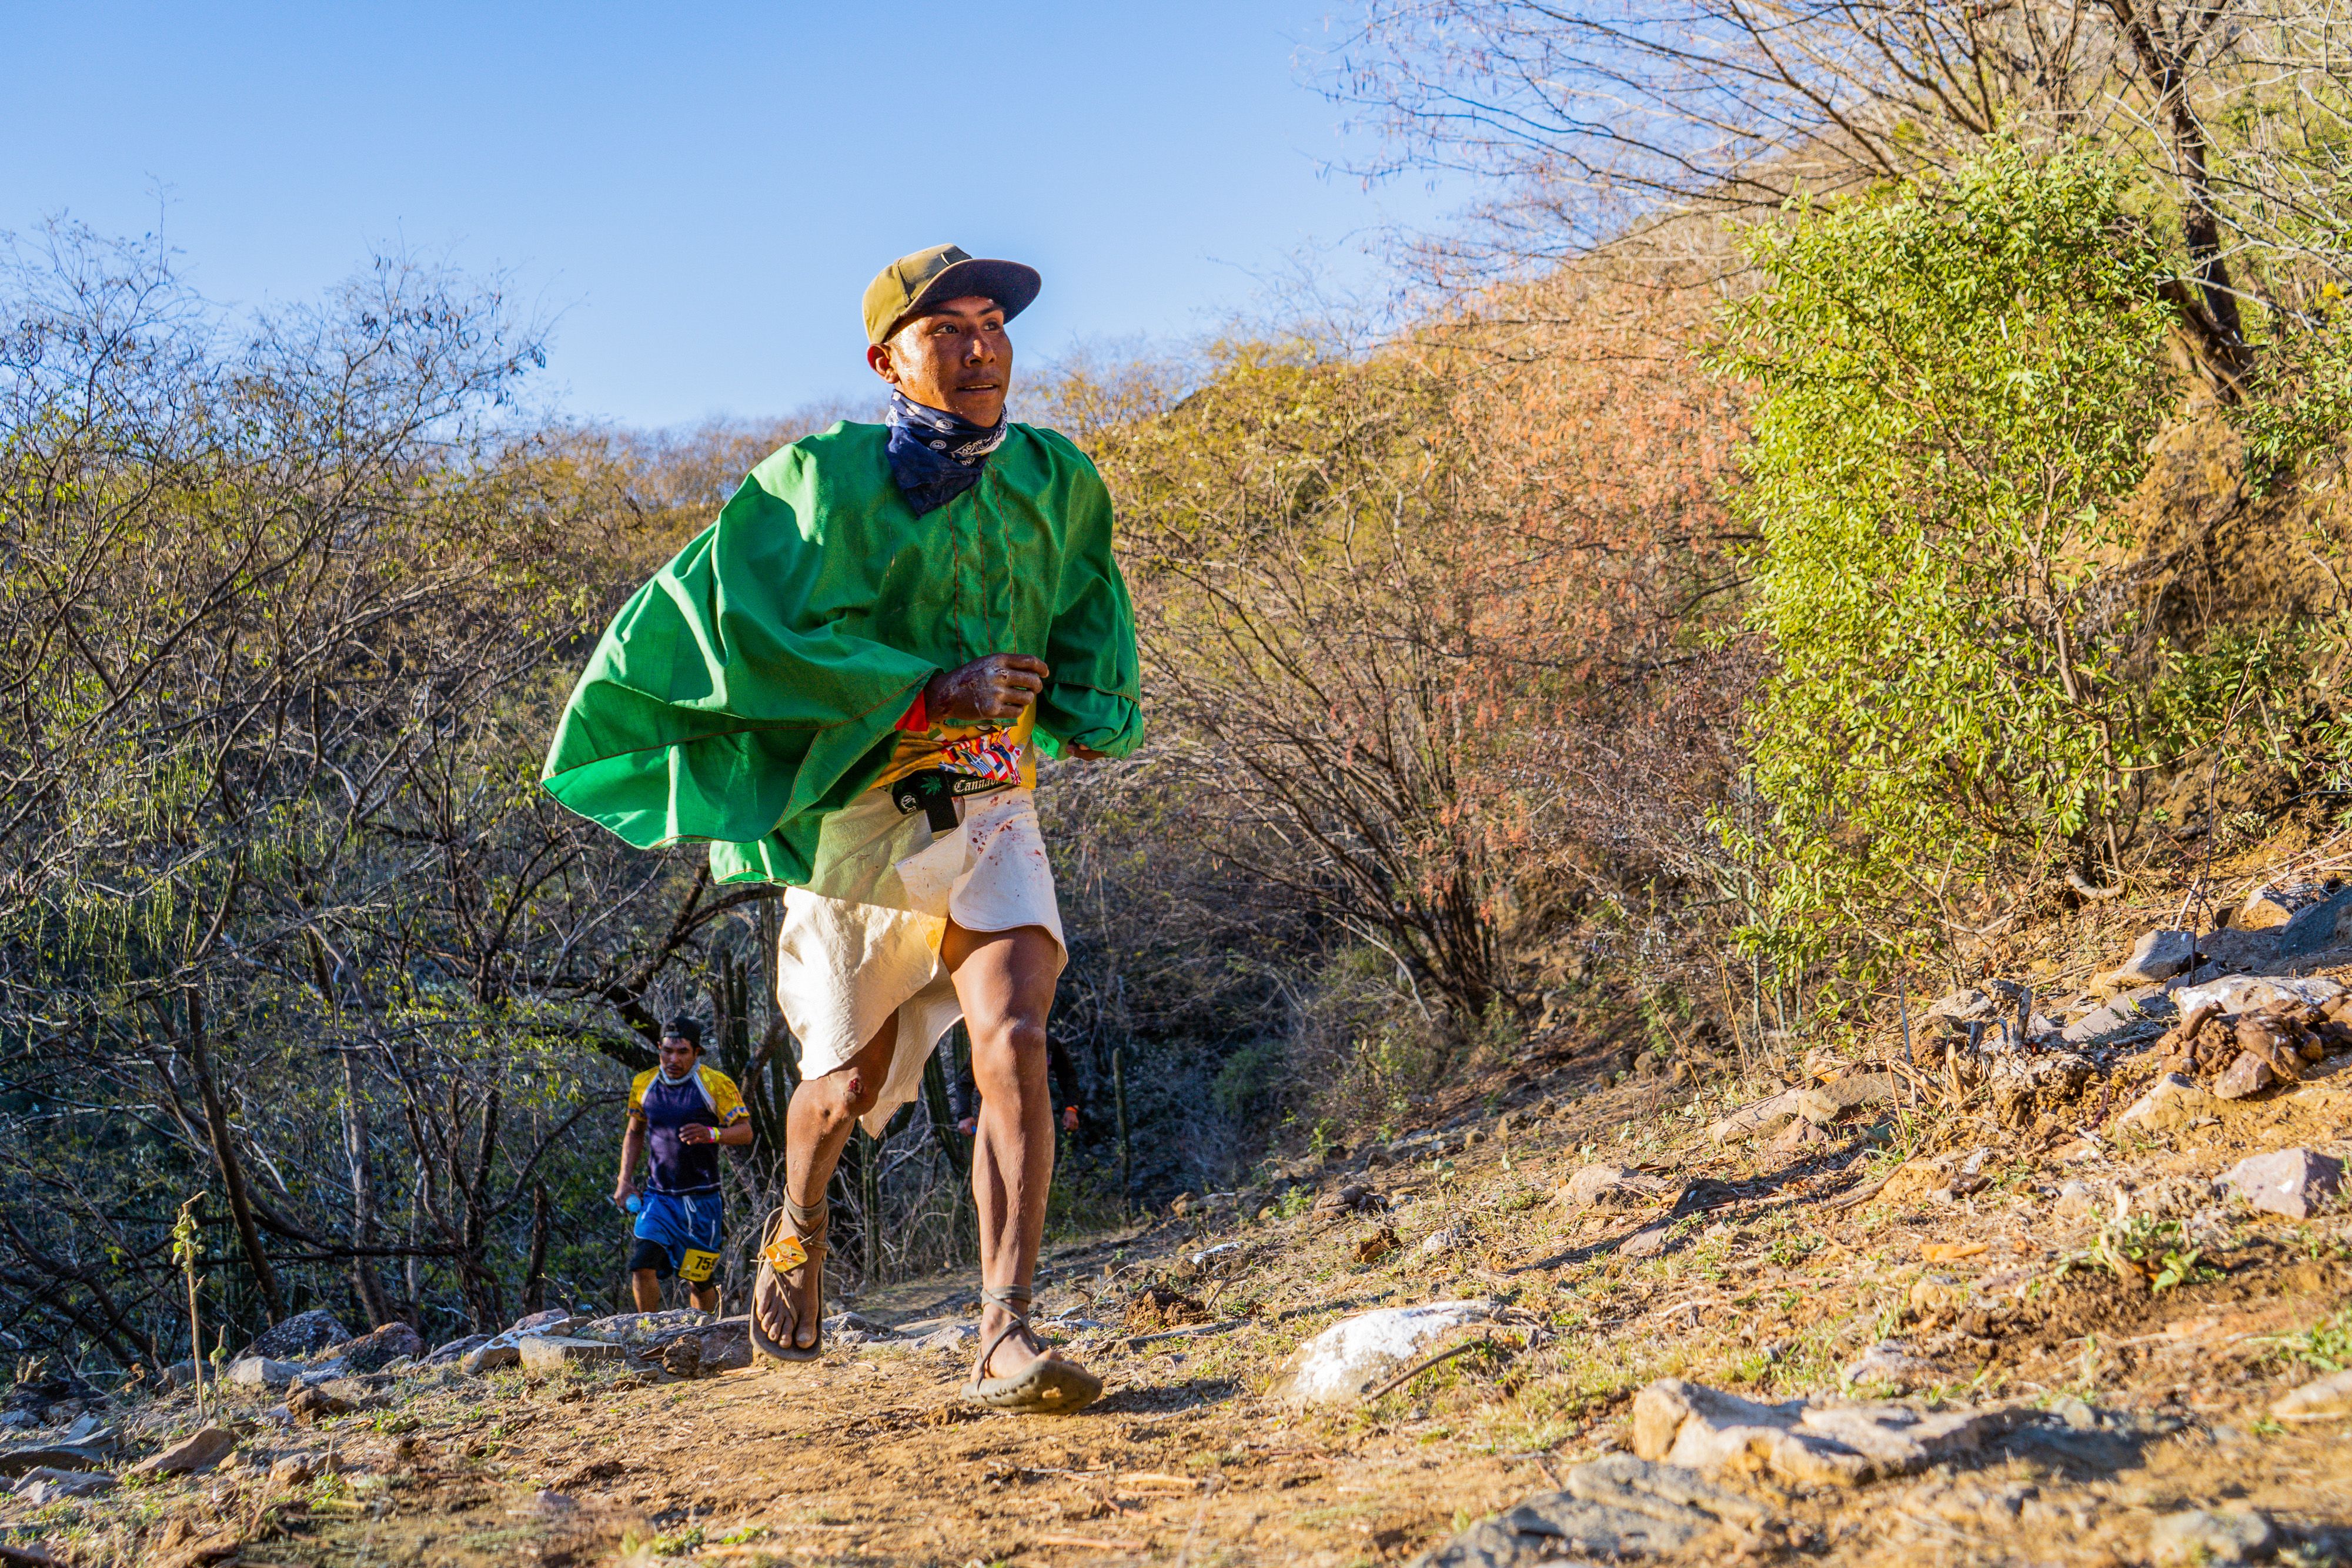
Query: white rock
x=2242, y=993
x=2198, y=1536
x=544, y=1354
x=1358, y=1353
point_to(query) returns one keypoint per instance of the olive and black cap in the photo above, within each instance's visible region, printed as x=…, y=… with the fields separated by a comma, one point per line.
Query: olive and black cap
x=912, y=284
x=687, y=1029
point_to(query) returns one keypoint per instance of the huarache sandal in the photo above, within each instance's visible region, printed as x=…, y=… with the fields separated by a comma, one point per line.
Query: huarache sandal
x=1044, y=1387
x=780, y=1254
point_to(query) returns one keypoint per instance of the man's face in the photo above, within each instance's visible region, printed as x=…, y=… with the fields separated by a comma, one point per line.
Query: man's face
x=677, y=1055
x=954, y=356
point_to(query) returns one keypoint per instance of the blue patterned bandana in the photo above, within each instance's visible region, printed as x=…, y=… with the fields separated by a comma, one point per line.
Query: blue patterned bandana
x=935, y=456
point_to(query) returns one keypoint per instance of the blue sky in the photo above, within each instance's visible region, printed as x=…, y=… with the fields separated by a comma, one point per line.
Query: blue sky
x=698, y=194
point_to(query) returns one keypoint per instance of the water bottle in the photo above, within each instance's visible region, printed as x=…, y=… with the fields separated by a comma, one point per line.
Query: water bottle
x=635, y=1203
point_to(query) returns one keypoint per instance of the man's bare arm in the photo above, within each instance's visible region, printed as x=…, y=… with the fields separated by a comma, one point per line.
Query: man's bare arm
x=633, y=1149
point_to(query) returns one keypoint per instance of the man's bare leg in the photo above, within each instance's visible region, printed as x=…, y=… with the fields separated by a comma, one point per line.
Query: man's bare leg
x=816, y=1125
x=1005, y=981
x=644, y=1286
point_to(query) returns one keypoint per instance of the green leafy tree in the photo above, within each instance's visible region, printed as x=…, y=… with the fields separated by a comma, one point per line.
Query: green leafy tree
x=1957, y=383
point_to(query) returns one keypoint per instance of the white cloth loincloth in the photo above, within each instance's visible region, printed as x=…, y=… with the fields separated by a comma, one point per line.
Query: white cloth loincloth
x=862, y=940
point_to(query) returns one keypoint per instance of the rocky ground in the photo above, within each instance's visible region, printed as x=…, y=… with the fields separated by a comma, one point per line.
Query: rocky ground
x=2034, y=1280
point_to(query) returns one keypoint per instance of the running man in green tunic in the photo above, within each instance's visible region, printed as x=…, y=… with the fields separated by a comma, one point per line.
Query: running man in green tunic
x=840, y=686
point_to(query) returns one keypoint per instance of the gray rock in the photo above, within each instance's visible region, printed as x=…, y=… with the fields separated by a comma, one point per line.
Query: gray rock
x=1618, y=1506
x=190, y=1456
x=260, y=1372
x=2242, y=1079
x=502, y=1350
x=2172, y=1102
x=43, y=1485
x=499, y=1352
x=2128, y=1011
x=2158, y=956
x=92, y=1431
x=1610, y=1186
x=308, y=1403
x=1766, y=1116
x=54, y=1455
x=2269, y=906
x=304, y=1334
x=457, y=1350
x=2200, y=1536
x=293, y=1470
x=1646, y=1242
x=725, y=1345
x=2292, y=1182
x=1705, y=1429
x=1827, y=1102
x=637, y=1329
x=374, y=1351
x=2315, y=929
x=2327, y=1398
x=1953, y=1013
x=545, y=1353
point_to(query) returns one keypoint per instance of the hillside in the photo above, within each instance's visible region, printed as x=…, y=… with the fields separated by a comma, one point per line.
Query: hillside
x=2025, y=1323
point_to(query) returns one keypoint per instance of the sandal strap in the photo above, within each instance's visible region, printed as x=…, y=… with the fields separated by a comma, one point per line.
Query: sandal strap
x=1015, y=1300
x=811, y=1237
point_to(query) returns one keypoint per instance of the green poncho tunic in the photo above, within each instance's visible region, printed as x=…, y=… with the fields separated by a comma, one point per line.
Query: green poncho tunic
x=752, y=686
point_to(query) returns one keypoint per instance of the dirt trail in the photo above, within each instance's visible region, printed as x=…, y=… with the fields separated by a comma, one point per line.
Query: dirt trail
x=1991, y=1257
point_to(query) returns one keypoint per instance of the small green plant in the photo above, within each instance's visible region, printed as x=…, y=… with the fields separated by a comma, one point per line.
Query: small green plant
x=2156, y=1253
x=2327, y=1346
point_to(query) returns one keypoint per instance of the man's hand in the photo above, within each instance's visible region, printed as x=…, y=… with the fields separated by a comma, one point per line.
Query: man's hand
x=998, y=687
x=697, y=1133
x=966, y=1125
x=1069, y=1118
x=624, y=1191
